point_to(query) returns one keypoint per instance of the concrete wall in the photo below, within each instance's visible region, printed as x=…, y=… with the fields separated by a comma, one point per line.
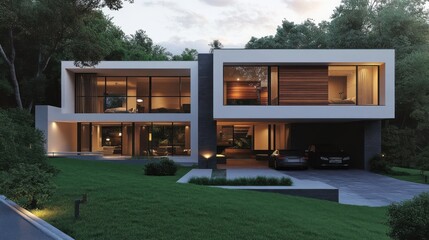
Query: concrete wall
x=372, y=141
x=383, y=58
x=206, y=124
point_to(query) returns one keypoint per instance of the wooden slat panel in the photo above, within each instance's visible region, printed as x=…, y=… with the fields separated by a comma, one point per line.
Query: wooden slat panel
x=241, y=90
x=303, y=85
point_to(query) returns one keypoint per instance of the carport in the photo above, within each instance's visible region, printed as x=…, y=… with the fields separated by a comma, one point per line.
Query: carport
x=360, y=139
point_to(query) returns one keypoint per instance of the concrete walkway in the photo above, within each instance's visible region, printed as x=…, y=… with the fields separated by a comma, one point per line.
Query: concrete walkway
x=358, y=187
x=18, y=223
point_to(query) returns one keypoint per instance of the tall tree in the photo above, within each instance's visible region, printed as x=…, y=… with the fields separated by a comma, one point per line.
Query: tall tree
x=216, y=44
x=290, y=35
x=187, y=55
x=402, y=25
x=32, y=31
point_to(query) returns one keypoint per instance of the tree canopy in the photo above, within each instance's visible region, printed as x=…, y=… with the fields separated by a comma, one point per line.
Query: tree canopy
x=378, y=24
x=35, y=35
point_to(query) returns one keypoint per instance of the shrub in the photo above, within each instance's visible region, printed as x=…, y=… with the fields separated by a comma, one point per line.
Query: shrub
x=164, y=167
x=24, y=170
x=410, y=219
x=258, y=181
x=379, y=165
x=29, y=185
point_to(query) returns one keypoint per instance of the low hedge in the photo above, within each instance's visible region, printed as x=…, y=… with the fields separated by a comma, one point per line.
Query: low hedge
x=258, y=181
x=163, y=167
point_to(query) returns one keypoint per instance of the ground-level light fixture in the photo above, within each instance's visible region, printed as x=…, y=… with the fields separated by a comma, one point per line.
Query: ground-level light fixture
x=207, y=155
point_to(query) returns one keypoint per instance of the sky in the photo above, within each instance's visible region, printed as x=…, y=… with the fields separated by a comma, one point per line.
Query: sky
x=180, y=24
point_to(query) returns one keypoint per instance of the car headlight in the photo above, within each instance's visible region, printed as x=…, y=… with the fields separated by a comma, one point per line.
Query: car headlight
x=324, y=158
x=346, y=158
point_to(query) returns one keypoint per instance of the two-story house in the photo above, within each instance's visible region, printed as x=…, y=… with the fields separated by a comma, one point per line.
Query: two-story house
x=234, y=101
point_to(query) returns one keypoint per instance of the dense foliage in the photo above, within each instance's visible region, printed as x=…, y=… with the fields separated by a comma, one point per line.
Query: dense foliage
x=378, y=24
x=162, y=167
x=25, y=175
x=30, y=185
x=36, y=35
x=409, y=220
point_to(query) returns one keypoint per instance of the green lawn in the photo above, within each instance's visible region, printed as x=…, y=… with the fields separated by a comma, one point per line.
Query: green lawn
x=125, y=204
x=407, y=174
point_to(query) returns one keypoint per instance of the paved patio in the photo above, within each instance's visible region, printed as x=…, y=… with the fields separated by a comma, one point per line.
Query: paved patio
x=358, y=187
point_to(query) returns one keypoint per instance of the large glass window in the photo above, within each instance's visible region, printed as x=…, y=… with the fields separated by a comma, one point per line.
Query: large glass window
x=295, y=84
x=138, y=139
x=342, y=85
x=245, y=85
x=368, y=85
x=138, y=93
x=132, y=94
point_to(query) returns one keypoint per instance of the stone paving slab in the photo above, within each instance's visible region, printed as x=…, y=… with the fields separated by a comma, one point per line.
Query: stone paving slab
x=359, y=187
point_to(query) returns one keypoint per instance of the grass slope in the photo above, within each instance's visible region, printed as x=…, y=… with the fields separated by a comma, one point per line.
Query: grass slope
x=407, y=174
x=125, y=204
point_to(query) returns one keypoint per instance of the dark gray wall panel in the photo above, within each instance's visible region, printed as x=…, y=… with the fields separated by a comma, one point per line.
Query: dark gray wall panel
x=206, y=124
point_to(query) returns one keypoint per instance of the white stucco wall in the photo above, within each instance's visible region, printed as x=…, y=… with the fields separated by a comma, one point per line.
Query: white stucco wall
x=60, y=123
x=384, y=58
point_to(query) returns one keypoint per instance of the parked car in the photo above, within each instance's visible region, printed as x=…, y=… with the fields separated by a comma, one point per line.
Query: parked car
x=327, y=155
x=288, y=159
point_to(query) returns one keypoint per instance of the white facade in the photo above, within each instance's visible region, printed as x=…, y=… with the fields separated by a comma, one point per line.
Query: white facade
x=59, y=124
x=383, y=58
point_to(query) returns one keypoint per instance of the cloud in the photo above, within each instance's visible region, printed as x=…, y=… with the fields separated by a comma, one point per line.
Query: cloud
x=176, y=45
x=251, y=19
x=182, y=16
x=188, y=19
x=304, y=6
x=218, y=3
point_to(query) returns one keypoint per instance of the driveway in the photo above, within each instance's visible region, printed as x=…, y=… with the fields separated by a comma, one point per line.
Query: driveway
x=358, y=187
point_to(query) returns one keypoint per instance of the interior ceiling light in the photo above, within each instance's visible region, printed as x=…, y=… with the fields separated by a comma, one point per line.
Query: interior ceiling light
x=139, y=100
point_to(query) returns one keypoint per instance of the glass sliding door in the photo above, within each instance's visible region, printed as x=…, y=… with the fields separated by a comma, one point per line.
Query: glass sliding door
x=143, y=139
x=111, y=139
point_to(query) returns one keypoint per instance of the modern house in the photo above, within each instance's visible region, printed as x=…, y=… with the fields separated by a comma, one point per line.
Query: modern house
x=235, y=101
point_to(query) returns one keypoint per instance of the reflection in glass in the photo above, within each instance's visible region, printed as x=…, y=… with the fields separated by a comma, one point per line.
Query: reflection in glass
x=246, y=85
x=115, y=105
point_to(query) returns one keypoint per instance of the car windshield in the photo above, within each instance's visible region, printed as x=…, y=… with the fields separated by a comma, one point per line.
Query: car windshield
x=327, y=148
